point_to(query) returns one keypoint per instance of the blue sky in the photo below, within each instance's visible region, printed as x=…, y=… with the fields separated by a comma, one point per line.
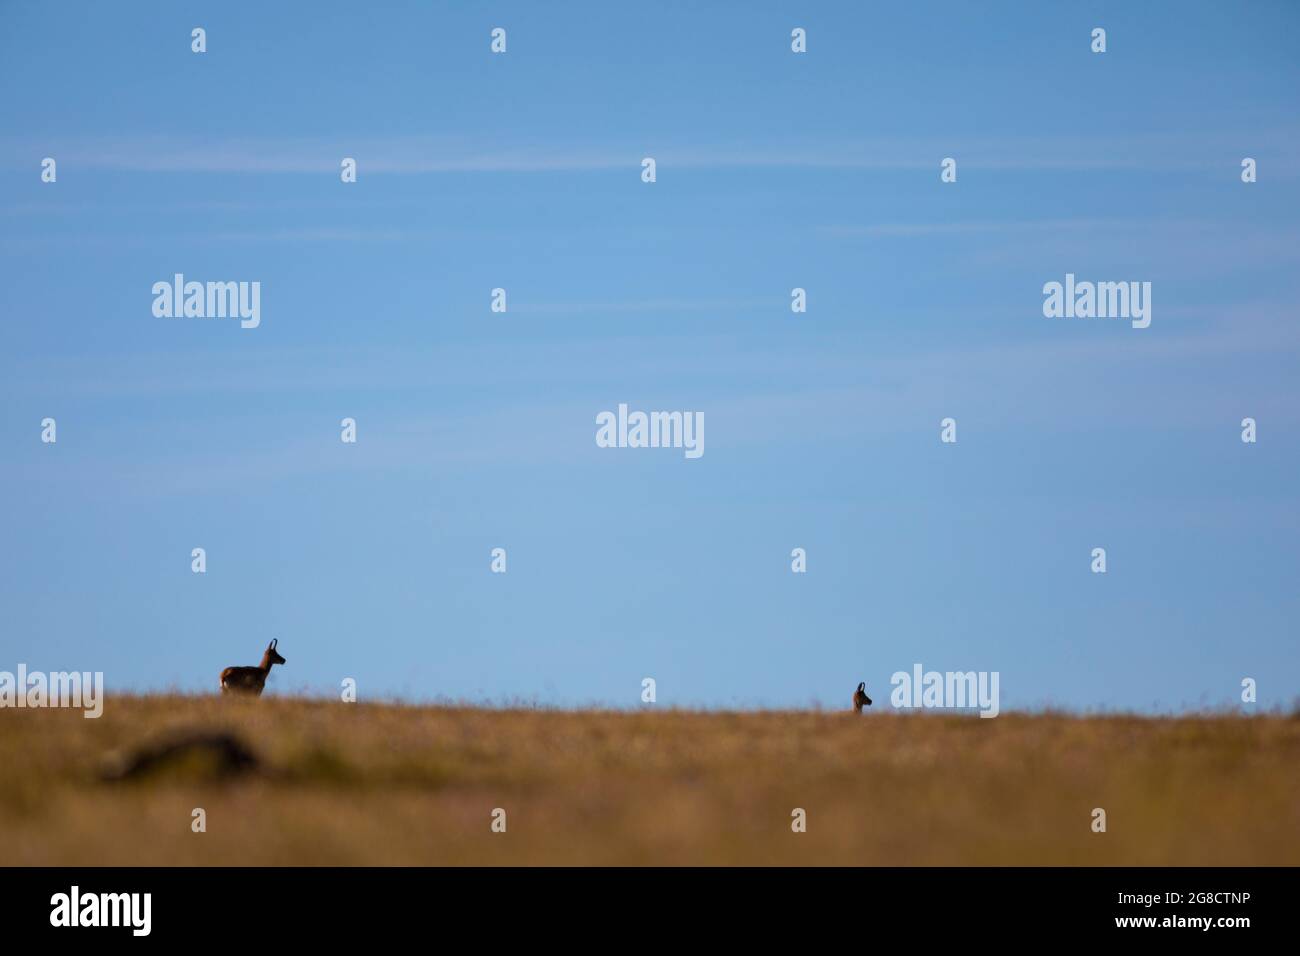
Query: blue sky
x=476, y=430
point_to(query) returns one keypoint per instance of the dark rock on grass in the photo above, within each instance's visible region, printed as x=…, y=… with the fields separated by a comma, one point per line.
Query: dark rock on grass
x=207, y=754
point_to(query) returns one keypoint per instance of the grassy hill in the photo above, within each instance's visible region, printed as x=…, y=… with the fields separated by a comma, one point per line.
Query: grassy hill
x=381, y=784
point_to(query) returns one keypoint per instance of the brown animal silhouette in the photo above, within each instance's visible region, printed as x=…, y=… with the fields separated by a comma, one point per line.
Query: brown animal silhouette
x=251, y=680
x=860, y=698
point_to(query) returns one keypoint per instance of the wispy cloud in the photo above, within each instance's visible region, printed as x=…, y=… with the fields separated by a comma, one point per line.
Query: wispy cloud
x=730, y=304
x=1167, y=152
x=1078, y=367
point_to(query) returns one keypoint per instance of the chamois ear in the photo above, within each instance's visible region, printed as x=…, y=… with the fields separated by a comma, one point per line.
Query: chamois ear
x=274, y=641
x=863, y=686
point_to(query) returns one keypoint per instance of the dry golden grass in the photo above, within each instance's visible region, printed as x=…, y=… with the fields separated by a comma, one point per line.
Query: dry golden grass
x=378, y=784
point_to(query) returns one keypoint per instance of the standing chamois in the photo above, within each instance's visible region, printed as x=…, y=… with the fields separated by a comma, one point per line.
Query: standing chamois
x=860, y=698
x=251, y=680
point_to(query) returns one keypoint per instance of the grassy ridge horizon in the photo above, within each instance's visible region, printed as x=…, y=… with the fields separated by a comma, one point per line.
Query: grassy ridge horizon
x=881, y=705
x=404, y=784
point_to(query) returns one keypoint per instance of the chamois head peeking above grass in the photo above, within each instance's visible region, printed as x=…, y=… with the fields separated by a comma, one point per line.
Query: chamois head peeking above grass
x=860, y=698
x=251, y=680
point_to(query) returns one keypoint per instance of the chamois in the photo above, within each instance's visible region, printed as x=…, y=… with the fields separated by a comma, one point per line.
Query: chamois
x=860, y=698
x=251, y=680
